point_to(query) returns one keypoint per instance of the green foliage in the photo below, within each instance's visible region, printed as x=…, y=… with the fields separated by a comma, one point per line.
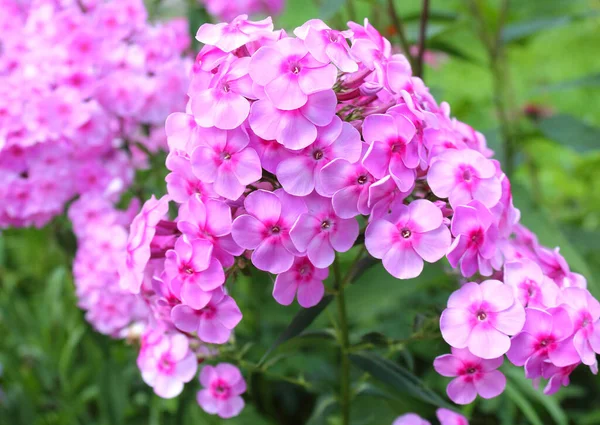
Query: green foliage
x=58, y=371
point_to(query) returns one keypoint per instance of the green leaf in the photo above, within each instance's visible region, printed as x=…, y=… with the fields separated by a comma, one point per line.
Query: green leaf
x=524, y=405
x=329, y=8
x=324, y=407
x=588, y=81
x=571, y=132
x=550, y=403
x=521, y=30
x=397, y=377
x=299, y=323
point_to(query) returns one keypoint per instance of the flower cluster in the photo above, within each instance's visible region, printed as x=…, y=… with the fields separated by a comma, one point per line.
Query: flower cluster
x=287, y=143
x=226, y=10
x=101, y=232
x=83, y=84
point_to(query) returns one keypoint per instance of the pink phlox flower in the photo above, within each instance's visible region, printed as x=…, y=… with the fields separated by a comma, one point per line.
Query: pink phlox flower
x=143, y=229
x=327, y=45
x=481, y=317
x=348, y=184
x=475, y=245
x=557, y=377
x=222, y=385
x=303, y=279
x=214, y=322
x=410, y=419
x=232, y=35
x=182, y=183
x=210, y=220
x=584, y=310
x=168, y=365
x=224, y=103
x=384, y=195
x=391, y=151
x=270, y=152
x=289, y=73
x=226, y=160
x=294, y=129
x=546, y=336
x=183, y=133
x=464, y=175
x=193, y=272
x=265, y=228
x=299, y=174
x=532, y=288
x=320, y=232
x=473, y=375
x=448, y=417
x=556, y=268
x=407, y=236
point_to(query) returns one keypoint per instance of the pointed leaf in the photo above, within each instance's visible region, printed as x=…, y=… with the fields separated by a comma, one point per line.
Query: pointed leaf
x=571, y=132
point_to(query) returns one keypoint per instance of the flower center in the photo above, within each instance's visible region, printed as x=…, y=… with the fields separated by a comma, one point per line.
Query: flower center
x=481, y=316
x=544, y=342
x=467, y=175
x=275, y=230
x=362, y=180
x=318, y=154
x=296, y=69
x=226, y=156
x=188, y=270
x=585, y=323
x=406, y=233
x=303, y=270
x=326, y=224
x=226, y=88
x=471, y=370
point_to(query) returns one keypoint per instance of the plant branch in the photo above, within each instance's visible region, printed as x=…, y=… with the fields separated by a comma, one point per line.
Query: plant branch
x=422, y=36
x=344, y=341
x=399, y=27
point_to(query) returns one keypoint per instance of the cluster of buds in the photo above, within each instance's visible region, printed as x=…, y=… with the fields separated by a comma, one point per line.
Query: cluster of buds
x=287, y=144
x=83, y=84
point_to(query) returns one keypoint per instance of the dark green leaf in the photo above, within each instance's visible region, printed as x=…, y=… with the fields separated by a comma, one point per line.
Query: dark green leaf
x=571, y=132
x=591, y=81
x=299, y=323
x=524, y=405
x=397, y=377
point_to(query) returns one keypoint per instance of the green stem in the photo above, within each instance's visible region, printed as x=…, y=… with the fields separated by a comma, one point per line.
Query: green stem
x=422, y=36
x=344, y=348
x=351, y=9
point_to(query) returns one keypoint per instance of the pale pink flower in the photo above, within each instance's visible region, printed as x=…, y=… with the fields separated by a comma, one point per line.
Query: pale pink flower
x=473, y=375
x=448, y=417
x=232, y=35
x=303, y=279
x=223, y=385
x=531, y=287
x=320, y=232
x=410, y=419
x=584, y=311
x=407, y=236
x=481, y=317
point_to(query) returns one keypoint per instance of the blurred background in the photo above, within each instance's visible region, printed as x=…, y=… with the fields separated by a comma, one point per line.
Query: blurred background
x=536, y=97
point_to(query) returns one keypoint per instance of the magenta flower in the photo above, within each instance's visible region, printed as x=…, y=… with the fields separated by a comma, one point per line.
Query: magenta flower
x=320, y=232
x=448, y=417
x=391, y=151
x=168, y=364
x=289, y=73
x=223, y=385
x=224, y=103
x=137, y=255
x=192, y=272
x=584, y=310
x=210, y=220
x=226, y=160
x=473, y=375
x=464, y=175
x=299, y=174
x=293, y=129
x=327, y=45
x=545, y=336
x=531, y=287
x=407, y=236
x=304, y=279
x=557, y=377
x=266, y=226
x=383, y=195
x=481, y=317
x=348, y=184
x=230, y=36
x=475, y=247
x=410, y=419
x=213, y=323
